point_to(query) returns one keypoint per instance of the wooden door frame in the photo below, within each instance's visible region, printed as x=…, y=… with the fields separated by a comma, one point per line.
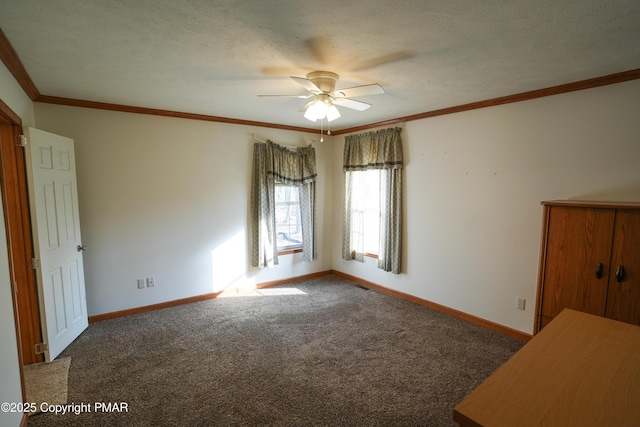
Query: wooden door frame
x=19, y=238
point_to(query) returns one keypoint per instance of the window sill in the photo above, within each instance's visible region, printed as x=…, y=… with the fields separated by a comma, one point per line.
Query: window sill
x=289, y=251
x=296, y=250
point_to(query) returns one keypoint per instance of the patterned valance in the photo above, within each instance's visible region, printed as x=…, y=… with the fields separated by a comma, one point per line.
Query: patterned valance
x=373, y=150
x=290, y=167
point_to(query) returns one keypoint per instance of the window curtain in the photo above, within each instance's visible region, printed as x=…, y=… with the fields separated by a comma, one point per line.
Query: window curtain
x=380, y=150
x=273, y=164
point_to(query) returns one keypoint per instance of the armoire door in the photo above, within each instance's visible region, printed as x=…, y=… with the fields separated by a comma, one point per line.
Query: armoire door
x=623, y=301
x=576, y=268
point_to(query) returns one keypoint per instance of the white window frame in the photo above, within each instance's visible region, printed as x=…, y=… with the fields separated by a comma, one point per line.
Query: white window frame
x=292, y=246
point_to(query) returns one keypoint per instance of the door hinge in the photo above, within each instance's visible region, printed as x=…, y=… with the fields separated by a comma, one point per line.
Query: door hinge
x=35, y=263
x=41, y=347
x=21, y=141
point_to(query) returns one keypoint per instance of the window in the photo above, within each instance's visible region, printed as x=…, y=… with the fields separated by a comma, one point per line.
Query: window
x=365, y=209
x=373, y=198
x=288, y=224
x=283, y=184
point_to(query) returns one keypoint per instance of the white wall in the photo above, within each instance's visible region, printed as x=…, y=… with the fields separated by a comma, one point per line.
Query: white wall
x=10, y=389
x=12, y=94
x=169, y=198
x=474, y=183
x=10, y=386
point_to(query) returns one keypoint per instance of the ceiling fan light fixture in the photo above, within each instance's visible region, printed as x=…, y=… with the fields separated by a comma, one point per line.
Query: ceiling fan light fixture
x=332, y=113
x=320, y=109
x=309, y=115
x=315, y=111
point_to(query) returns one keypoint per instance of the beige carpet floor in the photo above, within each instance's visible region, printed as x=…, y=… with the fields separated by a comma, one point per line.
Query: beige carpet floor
x=47, y=382
x=330, y=354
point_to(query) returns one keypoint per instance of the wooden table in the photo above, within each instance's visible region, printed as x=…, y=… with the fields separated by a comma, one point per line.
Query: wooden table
x=580, y=370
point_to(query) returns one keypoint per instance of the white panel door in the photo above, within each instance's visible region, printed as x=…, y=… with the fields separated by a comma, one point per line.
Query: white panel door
x=51, y=173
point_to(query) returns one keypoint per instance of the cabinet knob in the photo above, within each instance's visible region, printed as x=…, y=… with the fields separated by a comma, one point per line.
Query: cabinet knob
x=620, y=274
x=599, y=270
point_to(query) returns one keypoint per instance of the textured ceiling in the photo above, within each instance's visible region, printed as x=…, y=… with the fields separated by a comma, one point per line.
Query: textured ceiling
x=215, y=57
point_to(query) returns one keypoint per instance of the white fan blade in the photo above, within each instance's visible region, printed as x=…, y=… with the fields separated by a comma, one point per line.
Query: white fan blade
x=288, y=96
x=307, y=84
x=351, y=103
x=372, y=89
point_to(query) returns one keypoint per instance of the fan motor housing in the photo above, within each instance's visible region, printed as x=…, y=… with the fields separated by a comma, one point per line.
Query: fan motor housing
x=324, y=80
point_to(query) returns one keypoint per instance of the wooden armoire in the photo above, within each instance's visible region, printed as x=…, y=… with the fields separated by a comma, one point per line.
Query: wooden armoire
x=589, y=260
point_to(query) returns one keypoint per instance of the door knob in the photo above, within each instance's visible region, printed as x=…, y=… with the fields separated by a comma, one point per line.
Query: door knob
x=81, y=248
x=620, y=274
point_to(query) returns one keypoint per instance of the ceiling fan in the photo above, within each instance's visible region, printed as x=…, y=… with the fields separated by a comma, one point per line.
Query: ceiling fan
x=321, y=85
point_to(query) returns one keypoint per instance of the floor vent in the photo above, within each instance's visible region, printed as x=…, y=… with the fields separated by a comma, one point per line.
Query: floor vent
x=362, y=287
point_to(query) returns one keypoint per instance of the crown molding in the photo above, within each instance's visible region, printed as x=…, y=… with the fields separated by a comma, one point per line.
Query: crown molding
x=166, y=113
x=11, y=60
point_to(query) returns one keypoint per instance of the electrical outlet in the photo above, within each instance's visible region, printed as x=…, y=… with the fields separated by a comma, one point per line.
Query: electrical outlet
x=151, y=282
x=141, y=284
x=520, y=303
